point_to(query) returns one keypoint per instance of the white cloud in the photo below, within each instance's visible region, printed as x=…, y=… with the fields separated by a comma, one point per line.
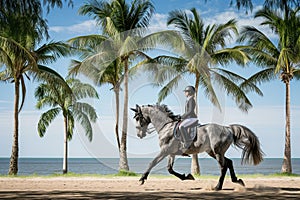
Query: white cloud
x=83, y=27
x=158, y=22
x=242, y=20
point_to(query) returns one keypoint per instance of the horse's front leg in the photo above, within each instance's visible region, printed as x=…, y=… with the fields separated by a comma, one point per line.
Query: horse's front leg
x=162, y=154
x=171, y=171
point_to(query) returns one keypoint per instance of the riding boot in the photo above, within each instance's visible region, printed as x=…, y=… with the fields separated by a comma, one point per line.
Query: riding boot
x=185, y=138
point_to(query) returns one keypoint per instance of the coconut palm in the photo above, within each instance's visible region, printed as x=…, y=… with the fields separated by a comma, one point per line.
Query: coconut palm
x=278, y=60
x=118, y=18
x=102, y=59
x=61, y=100
x=100, y=75
x=22, y=56
x=206, y=55
x=32, y=6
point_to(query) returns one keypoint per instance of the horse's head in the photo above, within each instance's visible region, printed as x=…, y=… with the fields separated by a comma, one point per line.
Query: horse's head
x=142, y=121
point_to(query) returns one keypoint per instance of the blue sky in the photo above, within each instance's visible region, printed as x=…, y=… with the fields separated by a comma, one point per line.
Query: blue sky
x=266, y=118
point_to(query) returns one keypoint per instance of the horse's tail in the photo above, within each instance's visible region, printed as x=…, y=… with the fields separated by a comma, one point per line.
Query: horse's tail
x=245, y=139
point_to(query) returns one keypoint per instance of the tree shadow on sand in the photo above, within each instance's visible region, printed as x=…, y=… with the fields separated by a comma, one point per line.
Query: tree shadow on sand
x=194, y=193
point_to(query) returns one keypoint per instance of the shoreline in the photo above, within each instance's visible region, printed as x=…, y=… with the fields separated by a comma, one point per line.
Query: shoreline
x=154, y=188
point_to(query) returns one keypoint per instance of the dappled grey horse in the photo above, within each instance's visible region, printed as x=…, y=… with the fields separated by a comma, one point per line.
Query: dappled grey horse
x=213, y=139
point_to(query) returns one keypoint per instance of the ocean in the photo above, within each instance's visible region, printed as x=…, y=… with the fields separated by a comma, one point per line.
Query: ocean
x=49, y=166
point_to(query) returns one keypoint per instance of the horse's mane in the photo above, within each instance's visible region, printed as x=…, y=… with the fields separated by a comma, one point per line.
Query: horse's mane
x=164, y=108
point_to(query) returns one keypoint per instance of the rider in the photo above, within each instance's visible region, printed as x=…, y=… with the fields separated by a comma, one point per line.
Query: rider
x=189, y=117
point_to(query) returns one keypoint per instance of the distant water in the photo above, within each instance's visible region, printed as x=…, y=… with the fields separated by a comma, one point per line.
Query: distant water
x=48, y=166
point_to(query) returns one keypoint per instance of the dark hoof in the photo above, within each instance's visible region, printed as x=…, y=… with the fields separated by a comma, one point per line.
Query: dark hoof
x=217, y=188
x=241, y=182
x=142, y=181
x=189, y=177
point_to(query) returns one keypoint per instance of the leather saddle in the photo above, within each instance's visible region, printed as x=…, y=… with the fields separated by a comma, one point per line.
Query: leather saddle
x=191, y=130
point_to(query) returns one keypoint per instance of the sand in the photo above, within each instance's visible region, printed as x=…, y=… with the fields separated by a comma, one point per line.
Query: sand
x=154, y=188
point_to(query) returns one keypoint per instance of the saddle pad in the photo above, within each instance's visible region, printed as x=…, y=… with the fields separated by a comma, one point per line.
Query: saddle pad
x=192, y=132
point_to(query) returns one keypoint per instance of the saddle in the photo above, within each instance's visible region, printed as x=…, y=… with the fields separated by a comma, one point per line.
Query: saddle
x=191, y=130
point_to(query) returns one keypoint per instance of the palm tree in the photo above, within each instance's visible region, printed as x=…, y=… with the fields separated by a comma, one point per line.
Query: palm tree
x=32, y=6
x=57, y=97
x=117, y=18
x=278, y=60
x=206, y=51
x=22, y=57
x=100, y=75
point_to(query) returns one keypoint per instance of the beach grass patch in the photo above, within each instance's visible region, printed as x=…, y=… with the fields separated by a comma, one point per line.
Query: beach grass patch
x=126, y=173
x=287, y=174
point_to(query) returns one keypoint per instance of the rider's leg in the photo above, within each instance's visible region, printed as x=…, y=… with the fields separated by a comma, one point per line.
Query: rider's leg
x=183, y=129
x=184, y=135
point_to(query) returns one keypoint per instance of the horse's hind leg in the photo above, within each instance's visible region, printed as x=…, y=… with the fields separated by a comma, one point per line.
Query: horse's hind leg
x=234, y=179
x=171, y=171
x=223, y=165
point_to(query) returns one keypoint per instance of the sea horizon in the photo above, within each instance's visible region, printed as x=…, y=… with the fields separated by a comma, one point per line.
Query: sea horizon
x=208, y=166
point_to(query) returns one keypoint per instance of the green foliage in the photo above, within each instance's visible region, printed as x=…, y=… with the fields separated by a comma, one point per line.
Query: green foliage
x=59, y=97
x=126, y=173
x=205, y=48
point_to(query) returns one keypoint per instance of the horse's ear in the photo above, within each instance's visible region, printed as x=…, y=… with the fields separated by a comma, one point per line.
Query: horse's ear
x=133, y=109
x=138, y=108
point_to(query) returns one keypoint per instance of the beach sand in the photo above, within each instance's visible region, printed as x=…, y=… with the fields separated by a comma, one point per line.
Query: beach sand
x=154, y=188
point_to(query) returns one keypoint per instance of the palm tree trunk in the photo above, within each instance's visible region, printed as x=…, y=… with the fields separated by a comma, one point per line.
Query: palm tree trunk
x=117, y=95
x=195, y=167
x=287, y=164
x=13, y=166
x=123, y=164
x=65, y=160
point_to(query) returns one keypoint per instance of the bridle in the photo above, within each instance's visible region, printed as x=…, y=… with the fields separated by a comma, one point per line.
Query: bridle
x=145, y=121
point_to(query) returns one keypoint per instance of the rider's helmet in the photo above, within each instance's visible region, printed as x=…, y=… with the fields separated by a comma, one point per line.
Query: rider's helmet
x=190, y=89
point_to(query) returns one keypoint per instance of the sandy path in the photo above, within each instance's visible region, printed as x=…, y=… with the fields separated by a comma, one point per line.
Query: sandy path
x=154, y=188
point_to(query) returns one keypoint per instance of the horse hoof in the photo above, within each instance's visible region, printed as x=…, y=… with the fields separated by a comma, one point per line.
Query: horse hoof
x=142, y=181
x=241, y=182
x=217, y=188
x=189, y=177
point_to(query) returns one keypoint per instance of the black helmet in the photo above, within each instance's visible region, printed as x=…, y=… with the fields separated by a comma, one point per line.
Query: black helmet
x=190, y=89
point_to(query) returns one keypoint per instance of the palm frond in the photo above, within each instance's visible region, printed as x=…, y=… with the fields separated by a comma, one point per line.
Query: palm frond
x=168, y=88
x=87, y=109
x=82, y=90
x=74, y=68
x=245, y=85
x=84, y=121
x=23, y=90
x=9, y=47
x=50, y=52
x=46, y=119
x=87, y=42
x=265, y=75
x=234, y=91
x=180, y=20
x=297, y=74
x=51, y=76
x=228, y=55
x=205, y=81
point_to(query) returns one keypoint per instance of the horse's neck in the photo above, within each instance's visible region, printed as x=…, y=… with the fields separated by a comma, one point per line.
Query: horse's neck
x=158, y=118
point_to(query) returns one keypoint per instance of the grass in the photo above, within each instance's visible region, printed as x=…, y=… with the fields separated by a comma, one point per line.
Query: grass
x=126, y=173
